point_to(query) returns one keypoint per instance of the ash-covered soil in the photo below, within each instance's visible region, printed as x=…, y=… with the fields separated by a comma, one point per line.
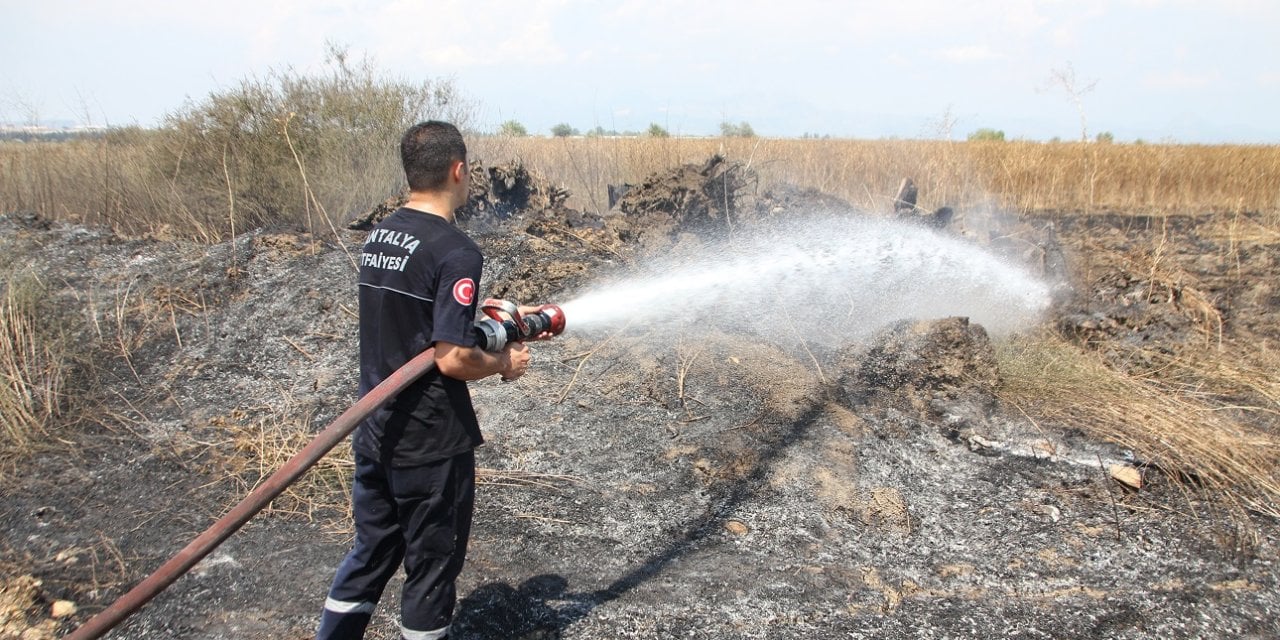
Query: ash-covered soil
x=638, y=485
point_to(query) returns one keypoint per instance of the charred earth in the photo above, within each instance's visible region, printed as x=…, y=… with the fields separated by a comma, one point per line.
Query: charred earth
x=635, y=485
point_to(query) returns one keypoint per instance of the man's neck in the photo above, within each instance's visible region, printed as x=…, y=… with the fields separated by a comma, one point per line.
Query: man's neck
x=436, y=204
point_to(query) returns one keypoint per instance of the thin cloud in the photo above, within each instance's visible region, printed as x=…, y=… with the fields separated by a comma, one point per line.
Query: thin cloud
x=1181, y=80
x=969, y=53
x=534, y=44
x=473, y=37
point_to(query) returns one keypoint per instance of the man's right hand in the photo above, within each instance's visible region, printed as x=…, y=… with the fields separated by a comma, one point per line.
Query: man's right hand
x=516, y=358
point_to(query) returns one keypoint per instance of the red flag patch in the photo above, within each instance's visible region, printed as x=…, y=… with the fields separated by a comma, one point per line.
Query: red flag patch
x=464, y=291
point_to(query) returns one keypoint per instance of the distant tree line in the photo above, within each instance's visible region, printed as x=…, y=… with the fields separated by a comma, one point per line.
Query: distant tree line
x=996, y=135
x=513, y=128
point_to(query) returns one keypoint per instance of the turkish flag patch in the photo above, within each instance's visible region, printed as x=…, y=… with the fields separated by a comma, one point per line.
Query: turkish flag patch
x=464, y=291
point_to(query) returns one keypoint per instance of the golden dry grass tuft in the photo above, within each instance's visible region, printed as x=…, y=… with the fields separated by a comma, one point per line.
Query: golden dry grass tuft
x=1192, y=437
x=257, y=448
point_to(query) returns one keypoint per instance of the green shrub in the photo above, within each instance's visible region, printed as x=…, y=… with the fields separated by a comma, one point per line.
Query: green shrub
x=294, y=150
x=987, y=135
x=657, y=131
x=512, y=129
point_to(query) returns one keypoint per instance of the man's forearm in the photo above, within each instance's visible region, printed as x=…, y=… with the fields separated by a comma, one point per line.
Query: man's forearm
x=469, y=363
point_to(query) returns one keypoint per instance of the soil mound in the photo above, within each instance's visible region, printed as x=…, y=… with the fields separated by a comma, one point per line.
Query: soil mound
x=932, y=363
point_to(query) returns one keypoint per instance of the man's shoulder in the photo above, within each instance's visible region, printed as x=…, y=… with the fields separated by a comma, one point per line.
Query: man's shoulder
x=403, y=218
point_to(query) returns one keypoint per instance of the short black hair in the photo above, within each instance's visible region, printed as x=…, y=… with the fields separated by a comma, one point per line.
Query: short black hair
x=428, y=150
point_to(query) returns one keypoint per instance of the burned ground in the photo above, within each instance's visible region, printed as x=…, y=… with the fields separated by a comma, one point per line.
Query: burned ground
x=636, y=484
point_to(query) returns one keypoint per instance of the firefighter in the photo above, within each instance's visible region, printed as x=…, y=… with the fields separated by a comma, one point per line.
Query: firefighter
x=414, y=487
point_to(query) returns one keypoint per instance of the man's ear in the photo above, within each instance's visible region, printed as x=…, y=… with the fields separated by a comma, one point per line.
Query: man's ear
x=459, y=170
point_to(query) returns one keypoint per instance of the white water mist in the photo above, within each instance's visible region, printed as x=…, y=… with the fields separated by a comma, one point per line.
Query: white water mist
x=823, y=280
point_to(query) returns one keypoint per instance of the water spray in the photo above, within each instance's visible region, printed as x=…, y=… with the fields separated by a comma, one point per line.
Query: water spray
x=827, y=281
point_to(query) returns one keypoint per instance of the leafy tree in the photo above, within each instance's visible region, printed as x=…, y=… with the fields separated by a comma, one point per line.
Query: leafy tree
x=1106, y=137
x=987, y=135
x=563, y=130
x=657, y=131
x=513, y=129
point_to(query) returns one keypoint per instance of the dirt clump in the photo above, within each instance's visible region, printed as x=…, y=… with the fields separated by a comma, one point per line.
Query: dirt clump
x=950, y=355
x=510, y=189
x=701, y=199
x=495, y=193
x=935, y=369
x=25, y=611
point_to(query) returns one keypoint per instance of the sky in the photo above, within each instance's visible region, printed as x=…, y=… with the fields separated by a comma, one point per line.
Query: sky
x=1157, y=70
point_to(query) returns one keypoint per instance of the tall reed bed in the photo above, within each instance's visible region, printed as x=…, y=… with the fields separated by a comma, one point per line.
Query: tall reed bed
x=302, y=154
x=1019, y=176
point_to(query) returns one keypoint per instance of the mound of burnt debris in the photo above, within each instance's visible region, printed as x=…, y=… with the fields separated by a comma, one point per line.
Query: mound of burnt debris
x=637, y=484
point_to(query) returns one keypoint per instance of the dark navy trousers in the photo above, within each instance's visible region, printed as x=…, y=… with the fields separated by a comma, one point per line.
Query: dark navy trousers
x=419, y=516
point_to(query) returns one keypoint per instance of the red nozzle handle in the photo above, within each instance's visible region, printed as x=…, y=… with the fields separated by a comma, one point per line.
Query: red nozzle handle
x=555, y=314
x=494, y=308
x=506, y=311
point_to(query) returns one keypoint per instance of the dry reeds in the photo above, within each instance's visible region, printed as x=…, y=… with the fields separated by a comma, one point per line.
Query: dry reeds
x=1017, y=176
x=227, y=163
x=34, y=366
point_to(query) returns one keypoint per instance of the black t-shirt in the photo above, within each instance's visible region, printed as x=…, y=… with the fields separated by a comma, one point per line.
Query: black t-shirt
x=418, y=280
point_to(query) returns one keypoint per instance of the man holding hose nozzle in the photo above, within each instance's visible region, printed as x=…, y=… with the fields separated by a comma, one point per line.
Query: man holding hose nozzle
x=414, y=486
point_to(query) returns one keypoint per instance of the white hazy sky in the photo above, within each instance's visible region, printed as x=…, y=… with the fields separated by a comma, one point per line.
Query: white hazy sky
x=1185, y=70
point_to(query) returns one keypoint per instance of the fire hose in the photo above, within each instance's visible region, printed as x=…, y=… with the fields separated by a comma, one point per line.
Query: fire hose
x=503, y=325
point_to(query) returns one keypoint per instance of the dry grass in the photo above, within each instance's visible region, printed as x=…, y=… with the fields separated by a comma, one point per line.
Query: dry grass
x=255, y=449
x=258, y=448
x=228, y=163
x=1168, y=282
x=35, y=363
x=1239, y=382
x=104, y=181
x=1192, y=437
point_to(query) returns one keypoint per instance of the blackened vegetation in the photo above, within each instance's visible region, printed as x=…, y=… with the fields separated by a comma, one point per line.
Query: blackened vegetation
x=717, y=487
